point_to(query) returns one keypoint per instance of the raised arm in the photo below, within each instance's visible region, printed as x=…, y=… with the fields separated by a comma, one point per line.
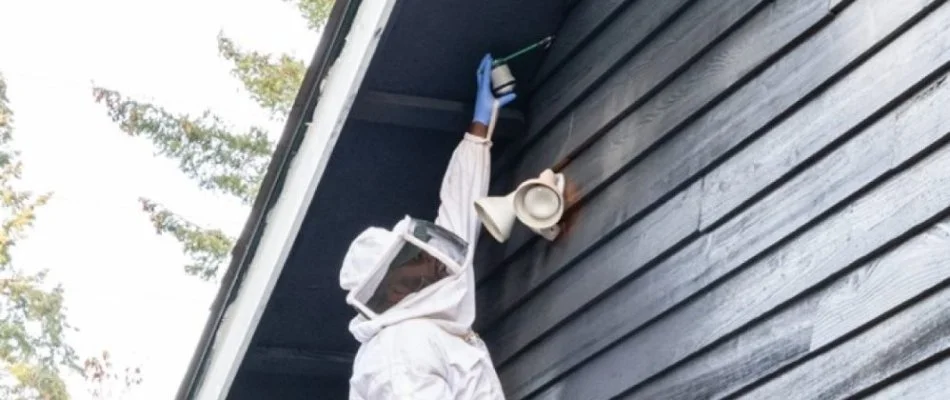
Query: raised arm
x=468, y=173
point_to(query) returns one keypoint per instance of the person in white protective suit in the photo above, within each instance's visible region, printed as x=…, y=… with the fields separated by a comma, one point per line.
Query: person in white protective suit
x=414, y=288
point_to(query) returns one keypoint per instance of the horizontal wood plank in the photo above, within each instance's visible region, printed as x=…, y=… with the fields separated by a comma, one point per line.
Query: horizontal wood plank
x=727, y=63
x=850, y=304
x=615, y=88
x=870, y=89
x=743, y=114
x=631, y=33
x=651, y=175
x=850, y=38
x=583, y=21
x=931, y=383
x=783, y=337
x=914, y=198
x=634, y=27
x=724, y=67
x=741, y=240
x=631, y=250
x=895, y=344
x=837, y=5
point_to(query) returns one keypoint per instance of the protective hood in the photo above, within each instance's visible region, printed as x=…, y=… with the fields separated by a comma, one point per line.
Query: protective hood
x=449, y=302
x=365, y=265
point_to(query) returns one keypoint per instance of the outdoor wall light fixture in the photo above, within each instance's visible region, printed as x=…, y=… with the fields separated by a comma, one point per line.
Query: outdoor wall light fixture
x=538, y=203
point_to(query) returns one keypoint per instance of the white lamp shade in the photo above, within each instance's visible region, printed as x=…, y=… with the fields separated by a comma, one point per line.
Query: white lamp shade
x=538, y=206
x=540, y=202
x=497, y=215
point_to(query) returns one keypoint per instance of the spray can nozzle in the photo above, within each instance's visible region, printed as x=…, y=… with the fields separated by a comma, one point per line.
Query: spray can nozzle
x=541, y=44
x=503, y=82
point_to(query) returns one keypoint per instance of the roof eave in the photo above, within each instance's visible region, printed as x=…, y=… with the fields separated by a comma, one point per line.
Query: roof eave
x=349, y=39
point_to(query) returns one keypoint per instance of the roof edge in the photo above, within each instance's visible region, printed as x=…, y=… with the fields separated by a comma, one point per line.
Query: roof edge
x=350, y=36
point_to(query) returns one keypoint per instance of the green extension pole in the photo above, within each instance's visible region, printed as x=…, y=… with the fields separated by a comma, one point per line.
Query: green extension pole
x=541, y=43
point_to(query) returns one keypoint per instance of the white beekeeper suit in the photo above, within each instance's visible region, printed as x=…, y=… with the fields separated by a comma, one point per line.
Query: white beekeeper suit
x=423, y=345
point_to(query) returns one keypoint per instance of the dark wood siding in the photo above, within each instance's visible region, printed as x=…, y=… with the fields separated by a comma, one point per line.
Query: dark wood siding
x=759, y=205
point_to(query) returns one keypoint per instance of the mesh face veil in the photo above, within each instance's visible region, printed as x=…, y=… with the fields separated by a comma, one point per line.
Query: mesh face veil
x=425, y=254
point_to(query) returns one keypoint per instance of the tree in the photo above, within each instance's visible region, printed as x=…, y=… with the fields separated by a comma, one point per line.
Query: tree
x=220, y=161
x=208, y=150
x=34, y=354
x=33, y=349
x=272, y=81
x=105, y=382
x=315, y=12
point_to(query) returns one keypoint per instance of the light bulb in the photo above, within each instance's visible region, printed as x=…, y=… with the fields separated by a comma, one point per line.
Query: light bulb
x=541, y=202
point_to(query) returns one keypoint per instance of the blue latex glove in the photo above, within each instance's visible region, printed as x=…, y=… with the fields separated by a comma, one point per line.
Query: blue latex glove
x=484, y=97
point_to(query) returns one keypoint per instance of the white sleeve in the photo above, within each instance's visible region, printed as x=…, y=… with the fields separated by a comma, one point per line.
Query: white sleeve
x=466, y=180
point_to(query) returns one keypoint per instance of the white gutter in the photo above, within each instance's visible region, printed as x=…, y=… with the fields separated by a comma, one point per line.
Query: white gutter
x=286, y=216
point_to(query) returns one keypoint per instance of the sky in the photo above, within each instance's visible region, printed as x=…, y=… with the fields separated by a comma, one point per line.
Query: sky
x=125, y=287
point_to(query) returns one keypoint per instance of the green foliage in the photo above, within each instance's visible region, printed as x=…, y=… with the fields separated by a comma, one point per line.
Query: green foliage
x=33, y=350
x=219, y=160
x=207, y=248
x=273, y=81
x=206, y=150
x=314, y=11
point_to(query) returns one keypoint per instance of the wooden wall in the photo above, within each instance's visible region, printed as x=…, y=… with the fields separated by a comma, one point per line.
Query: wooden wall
x=759, y=205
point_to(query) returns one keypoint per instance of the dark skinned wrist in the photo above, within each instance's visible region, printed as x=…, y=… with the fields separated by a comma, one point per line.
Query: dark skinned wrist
x=478, y=129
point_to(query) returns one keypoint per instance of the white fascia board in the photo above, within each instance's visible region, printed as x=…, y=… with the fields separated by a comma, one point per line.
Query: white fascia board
x=284, y=219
